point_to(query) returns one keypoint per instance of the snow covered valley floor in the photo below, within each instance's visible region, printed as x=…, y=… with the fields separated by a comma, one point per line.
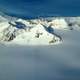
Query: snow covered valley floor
x=42, y=62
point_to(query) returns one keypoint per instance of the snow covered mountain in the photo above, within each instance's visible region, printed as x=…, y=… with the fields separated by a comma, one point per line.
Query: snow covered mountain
x=35, y=31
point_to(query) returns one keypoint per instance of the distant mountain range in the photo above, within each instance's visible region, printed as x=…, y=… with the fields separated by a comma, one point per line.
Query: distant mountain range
x=34, y=31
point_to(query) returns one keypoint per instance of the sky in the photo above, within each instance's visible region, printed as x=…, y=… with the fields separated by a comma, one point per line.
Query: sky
x=27, y=8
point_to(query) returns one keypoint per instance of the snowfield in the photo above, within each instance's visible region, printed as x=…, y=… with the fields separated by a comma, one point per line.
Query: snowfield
x=35, y=31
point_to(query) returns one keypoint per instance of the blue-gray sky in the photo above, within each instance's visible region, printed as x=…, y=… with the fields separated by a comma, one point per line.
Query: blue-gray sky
x=41, y=7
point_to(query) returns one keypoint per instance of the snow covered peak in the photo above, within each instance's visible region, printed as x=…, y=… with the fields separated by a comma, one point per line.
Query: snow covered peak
x=34, y=31
x=21, y=32
x=59, y=24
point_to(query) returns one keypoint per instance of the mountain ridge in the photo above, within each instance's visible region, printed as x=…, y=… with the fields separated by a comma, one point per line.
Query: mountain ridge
x=34, y=31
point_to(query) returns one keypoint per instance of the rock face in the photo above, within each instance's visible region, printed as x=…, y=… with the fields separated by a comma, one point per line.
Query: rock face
x=33, y=32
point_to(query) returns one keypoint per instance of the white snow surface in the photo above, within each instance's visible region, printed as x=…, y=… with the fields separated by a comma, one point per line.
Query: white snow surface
x=34, y=27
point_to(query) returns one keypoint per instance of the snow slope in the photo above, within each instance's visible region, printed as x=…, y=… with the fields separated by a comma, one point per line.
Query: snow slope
x=35, y=31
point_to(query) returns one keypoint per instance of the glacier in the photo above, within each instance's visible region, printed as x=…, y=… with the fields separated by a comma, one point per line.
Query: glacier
x=41, y=31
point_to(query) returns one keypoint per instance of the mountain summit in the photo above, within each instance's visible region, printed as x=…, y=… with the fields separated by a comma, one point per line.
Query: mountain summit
x=34, y=31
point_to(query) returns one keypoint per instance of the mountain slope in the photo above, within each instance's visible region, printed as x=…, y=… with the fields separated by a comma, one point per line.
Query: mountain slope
x=34, y=31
